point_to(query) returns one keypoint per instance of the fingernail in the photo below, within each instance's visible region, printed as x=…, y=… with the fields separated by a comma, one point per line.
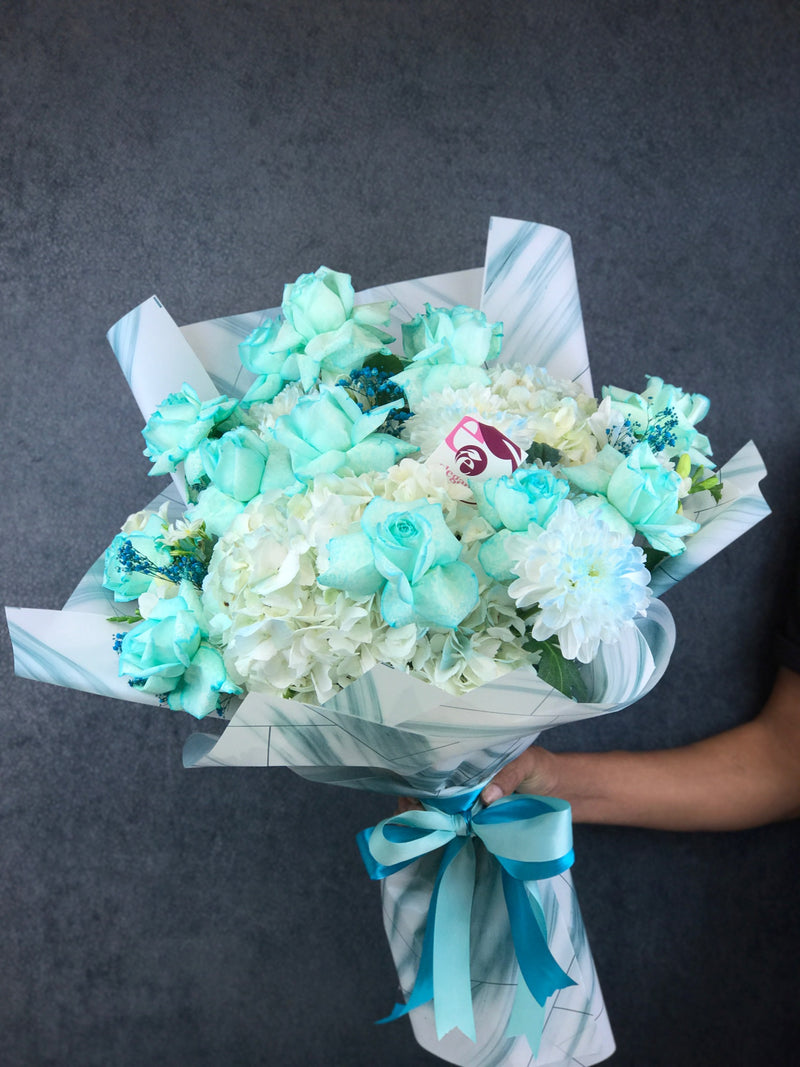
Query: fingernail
x=491, y=792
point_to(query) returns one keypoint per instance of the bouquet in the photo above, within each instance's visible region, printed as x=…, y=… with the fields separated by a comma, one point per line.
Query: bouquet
x=403, y=537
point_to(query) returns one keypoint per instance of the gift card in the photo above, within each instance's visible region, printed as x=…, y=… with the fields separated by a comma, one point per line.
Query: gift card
x=476, y=450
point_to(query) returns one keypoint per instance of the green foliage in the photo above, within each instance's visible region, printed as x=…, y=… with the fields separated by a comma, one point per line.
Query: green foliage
x=390, y=364
x=131, y=620
x=703, y=480
x=544, y=453
x=653, y=556
x=562, y=674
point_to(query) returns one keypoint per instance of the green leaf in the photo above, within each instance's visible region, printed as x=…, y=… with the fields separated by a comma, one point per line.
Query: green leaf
x=545, y=453
x=130, y=619
x=194, y=489
x=562, y=674
x=391, y=364
x=702, y=480
x=653, y=556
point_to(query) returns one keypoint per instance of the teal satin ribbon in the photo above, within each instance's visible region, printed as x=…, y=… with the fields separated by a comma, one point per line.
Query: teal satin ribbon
x=531, y=839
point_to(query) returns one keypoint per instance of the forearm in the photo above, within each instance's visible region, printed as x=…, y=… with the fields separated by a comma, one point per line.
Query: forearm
x=699, y=787
x=743, y=777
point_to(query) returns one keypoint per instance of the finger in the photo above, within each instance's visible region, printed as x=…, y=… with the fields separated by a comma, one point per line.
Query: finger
x=506, y=780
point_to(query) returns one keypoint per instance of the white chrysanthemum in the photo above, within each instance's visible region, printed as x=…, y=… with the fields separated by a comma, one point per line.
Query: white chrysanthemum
x=264, y=416
x=587, y=581
x=436, y=415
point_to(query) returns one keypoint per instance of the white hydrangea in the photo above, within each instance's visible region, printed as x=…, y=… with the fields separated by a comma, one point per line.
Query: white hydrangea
x=264, y=416
x=279, y=630
x=283, y=633
x=557, y=412
x=457, y=661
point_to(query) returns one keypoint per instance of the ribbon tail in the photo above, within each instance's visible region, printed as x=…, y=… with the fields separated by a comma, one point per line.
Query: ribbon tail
x=527, y=1017
x=433, y=972
x=541, y=972
x=423, y=985
x=452, y=983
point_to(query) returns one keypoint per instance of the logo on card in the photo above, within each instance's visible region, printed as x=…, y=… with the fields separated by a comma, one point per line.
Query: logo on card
x=478, y=450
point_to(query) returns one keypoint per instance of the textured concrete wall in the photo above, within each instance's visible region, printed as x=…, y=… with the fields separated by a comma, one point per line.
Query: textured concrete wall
x=209, y=152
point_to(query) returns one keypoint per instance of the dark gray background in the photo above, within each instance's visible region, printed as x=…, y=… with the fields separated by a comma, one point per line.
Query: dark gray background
x=210, y=152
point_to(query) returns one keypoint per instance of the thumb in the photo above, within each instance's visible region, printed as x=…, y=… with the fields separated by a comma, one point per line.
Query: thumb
x=507, y=779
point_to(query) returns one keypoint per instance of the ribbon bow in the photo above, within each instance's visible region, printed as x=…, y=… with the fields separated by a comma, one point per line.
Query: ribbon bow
x=531, y=839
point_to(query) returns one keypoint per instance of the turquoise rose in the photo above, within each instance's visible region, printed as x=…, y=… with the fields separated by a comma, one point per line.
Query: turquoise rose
x=167, y=655
x=322, y=331
x=215, y=509
x=665, y=417
x=518, y=499
x=641, y=490
x=328, y=431
x=218, y=508
x=263, y=355
x=339, y=353
x=179, y=424
x=235, y=463
x=318, y=303
x=447, y=347
x=512, y=504
x=408, y=551
x=125, y=570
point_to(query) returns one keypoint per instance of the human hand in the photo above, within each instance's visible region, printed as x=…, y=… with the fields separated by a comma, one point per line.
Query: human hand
x=532, y=772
